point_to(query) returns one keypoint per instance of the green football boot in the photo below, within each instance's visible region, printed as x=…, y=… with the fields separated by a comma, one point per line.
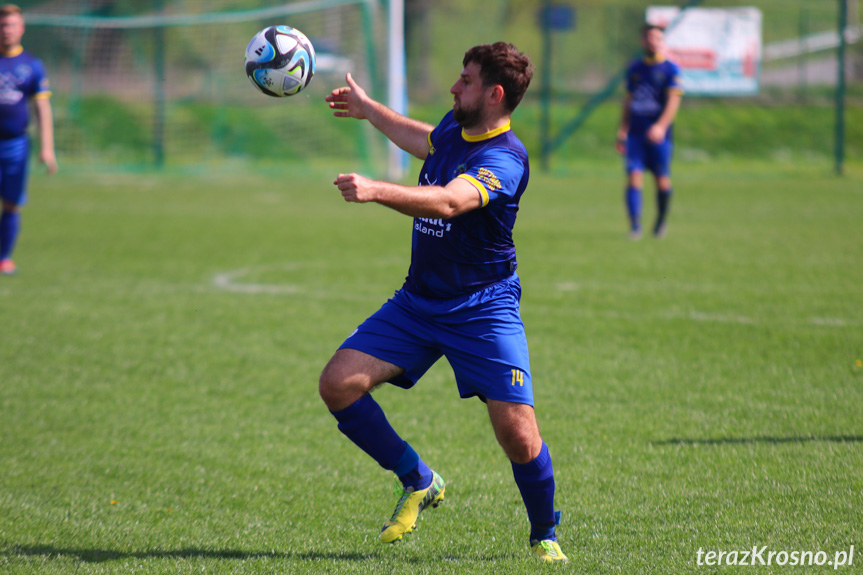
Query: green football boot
x=549, y=551
x=410, y=505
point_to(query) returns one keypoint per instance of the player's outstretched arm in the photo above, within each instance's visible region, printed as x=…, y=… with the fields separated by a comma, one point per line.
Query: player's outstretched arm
x=457, y=197
x=351, y=101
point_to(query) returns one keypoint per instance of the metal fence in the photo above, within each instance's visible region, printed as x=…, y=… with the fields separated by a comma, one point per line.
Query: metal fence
x=154, y=95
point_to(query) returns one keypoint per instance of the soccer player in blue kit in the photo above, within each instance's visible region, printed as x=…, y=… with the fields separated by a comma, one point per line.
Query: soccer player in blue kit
x=22, y=78
x=461, y=296
x=653, y=94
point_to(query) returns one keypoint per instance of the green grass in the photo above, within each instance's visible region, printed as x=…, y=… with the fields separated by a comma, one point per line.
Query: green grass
x=162, y=341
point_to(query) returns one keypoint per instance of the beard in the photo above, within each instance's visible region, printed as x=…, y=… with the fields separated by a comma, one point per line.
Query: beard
x=468, y=117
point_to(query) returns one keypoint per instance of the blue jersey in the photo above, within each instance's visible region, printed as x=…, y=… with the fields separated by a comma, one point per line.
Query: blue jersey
x=649, y=81
x=474, y=250
x=22, y=76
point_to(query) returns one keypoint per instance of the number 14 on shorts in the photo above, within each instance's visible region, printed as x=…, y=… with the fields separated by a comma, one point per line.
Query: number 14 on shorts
x=518, y=377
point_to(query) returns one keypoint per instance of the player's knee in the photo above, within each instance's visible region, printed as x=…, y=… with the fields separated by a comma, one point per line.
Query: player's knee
x=519, y=445
x=329, y=385
x=337, y=387
x=522, y=453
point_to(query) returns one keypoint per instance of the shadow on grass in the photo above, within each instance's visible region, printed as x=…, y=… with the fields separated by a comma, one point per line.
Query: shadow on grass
x=763, y=439
x=103, y=555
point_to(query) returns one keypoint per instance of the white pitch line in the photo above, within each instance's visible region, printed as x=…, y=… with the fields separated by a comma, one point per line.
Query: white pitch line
x=698, y=316
x=231, y=281
x=227, y=281
x=720, y=318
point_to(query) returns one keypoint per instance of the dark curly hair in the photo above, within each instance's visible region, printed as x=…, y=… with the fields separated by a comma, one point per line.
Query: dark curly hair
x=502, y=63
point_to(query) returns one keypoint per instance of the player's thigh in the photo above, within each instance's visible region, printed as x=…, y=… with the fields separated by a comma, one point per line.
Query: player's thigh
x=635, y=153
x=350, y=374
x=398, y=335
x=659, y=158
x=14, y=165
x=488, y=350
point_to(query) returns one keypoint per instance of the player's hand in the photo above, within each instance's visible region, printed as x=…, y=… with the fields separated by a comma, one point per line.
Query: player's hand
x=48, y=158
x=620, y=142
x=348, y=101
x=355, y=188
x=656, y=133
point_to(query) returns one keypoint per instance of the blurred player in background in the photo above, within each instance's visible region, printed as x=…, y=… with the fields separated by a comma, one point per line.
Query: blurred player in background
x=22, y=78
x=645, y=137
x=461, y=297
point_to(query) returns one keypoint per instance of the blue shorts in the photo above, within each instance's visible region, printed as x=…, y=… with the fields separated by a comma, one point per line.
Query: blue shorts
x=14, y=156
x=643, y=154
x=481, y=335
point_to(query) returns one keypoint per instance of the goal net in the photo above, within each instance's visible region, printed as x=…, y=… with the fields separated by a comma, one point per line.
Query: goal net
x=142, y=84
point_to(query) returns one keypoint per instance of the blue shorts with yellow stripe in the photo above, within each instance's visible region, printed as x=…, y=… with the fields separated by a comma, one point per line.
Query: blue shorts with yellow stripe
x=481, y=335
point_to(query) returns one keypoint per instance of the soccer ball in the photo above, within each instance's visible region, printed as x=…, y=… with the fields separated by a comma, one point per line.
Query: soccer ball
x=280, y=61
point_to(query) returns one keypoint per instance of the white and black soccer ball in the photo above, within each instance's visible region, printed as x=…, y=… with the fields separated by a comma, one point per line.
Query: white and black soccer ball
x=280, y=61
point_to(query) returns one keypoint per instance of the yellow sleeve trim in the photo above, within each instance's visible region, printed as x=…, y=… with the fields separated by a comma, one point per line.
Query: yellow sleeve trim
x=431, y=146
x=43, y=95
x=483, y=193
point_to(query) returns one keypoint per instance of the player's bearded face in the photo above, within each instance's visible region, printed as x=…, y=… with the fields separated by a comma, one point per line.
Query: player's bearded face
x=469, y=93
x=467, y=116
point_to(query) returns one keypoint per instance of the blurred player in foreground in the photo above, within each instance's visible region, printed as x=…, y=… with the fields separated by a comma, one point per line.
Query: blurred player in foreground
x=22, y=78
x=645, y=137
x=461, y=297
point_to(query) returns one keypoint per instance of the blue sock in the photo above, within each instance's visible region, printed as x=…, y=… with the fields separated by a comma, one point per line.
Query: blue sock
x=633, y=207
x=535, y=480
x=10, y=225
x=412, y=471
x=663, y=202
x=364, y=423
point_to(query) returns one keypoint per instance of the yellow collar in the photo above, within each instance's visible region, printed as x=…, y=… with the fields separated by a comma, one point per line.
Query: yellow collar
x=658, y=59
x=13, y=52
x=486, y=136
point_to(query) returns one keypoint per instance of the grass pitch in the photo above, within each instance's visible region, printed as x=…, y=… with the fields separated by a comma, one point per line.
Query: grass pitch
x=160, y=348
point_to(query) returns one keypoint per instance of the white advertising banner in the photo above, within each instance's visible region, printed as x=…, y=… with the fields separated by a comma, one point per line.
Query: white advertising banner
x=718, y=49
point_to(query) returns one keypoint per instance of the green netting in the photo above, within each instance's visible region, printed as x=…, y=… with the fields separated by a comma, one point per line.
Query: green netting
x=136, y=86
x=139, y=83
